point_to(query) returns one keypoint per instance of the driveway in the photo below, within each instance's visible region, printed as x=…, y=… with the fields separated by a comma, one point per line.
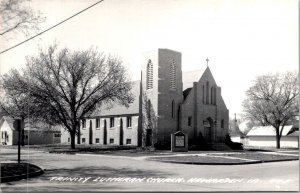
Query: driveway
x=90, y=173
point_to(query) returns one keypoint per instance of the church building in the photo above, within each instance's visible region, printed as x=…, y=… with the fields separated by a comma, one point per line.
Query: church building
x=166, y=101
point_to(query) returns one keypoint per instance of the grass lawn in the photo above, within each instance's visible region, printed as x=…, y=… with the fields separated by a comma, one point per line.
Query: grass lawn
x=116, y=151
x=15, y=169
x=197, y=159
x=222, y=158
x=260, y=156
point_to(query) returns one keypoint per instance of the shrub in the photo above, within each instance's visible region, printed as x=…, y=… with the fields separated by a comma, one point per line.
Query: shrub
x=233, y=145
x=199, y=144
x=162, y=145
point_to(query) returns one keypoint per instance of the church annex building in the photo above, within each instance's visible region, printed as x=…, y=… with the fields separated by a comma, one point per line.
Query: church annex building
x=166, y=101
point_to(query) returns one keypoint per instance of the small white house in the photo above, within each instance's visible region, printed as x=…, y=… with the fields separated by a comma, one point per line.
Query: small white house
x=265, y=136
x=33, y=134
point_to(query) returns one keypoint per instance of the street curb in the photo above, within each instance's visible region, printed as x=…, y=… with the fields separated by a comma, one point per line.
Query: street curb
x=194, y=163
x=23, y=176
x=207, y=163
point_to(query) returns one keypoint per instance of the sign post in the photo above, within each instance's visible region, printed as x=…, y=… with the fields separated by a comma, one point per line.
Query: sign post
x=18, y=126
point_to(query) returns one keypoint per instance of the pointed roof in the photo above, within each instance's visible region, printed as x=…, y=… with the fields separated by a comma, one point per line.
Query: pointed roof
x=236, y=132
x=9, y=120
x=188, y=78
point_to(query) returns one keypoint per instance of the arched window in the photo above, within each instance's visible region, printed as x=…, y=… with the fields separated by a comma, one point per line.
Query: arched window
x=212, y=95
x=203, y=93
x=173, y=108
x=173, y=75
x=207, y=92
x=215, y=95
x=149, y=80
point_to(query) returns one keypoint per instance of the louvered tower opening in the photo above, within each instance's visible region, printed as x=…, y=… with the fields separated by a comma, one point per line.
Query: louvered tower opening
x=149, y=75
x=172, y=76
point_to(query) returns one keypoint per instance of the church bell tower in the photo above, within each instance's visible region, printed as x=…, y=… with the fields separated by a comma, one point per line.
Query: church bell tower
x=161, y=96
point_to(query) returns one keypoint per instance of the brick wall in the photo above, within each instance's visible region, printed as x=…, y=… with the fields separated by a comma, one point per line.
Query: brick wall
x=166, y=123
x=197, y=105
x=162, y=94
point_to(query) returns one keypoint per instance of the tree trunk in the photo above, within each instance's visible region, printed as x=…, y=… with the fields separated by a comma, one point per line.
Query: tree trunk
x=22, y=133
x=72, y=135
x=22, y=137
x=277, y=138
x=78, y=134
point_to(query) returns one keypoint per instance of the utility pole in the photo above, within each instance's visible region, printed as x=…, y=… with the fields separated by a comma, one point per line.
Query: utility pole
x=19, y=127
x=235, y=121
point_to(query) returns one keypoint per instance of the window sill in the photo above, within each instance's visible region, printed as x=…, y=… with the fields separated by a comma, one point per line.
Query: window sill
x=129, y=127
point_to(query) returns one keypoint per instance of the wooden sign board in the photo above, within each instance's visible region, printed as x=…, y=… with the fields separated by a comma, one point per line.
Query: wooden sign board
x=179, y=141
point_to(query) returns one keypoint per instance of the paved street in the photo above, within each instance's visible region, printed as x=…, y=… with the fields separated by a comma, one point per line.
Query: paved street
x=108, y=173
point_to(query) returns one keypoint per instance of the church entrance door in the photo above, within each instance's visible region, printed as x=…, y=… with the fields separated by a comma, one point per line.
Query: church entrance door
x=208, y=128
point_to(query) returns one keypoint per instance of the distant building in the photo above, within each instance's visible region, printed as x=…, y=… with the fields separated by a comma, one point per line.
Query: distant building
x=265, y=136
x=166, y=101
x=33, y=135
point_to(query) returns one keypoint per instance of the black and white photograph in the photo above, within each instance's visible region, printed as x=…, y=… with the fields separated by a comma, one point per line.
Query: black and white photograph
x=149, y=96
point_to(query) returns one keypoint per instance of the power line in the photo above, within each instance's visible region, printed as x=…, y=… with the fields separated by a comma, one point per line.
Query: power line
x=51, y=27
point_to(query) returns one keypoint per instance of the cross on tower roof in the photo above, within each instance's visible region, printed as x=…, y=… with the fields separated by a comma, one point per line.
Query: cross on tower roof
x=207, y=61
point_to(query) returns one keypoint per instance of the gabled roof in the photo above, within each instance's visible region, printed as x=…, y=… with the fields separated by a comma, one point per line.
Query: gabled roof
x=295, y=133
x=9, y=120
x=118, y=109
x=38, y=126
x=191, y=76
x=268, y=131
x=186, y=92
x=236, y=132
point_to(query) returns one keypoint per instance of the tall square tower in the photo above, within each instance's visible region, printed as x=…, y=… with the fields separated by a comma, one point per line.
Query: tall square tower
x=161, y=96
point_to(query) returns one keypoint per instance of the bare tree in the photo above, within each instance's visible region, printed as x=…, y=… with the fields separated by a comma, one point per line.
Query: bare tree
x=273, y=100
x=14, y=102
x=16, y=16
x=66, y=86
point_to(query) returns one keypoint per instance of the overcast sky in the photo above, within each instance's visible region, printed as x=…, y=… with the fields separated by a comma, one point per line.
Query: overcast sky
x=241, y=38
